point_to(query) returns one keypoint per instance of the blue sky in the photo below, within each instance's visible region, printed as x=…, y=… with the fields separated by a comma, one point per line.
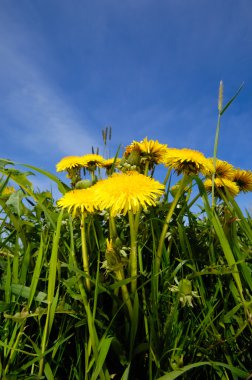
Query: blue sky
x=148, y=68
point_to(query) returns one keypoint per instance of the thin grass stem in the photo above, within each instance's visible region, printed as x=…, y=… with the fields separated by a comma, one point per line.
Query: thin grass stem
x=85, y=258
x=133, y=252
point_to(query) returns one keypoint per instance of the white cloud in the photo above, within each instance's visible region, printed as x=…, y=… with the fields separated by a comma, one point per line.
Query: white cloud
x=40, y=115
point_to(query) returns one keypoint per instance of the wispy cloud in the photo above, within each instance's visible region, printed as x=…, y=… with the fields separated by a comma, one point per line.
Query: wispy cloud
x=39, y=115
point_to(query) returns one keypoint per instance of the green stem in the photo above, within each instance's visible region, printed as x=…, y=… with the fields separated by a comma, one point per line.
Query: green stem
x=193, y=201
x=146, y=169
x=215, y=157
x=112, y=228
x=133, y=252
x=140, y=259
x=125, y=293
x=92, y=176
x=167, y=221
x=50, y=292
x=167, y=176
x=90, y=320
x=85, y=259
x=13, y=350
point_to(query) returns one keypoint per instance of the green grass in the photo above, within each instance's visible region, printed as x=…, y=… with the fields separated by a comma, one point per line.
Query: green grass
x=171, y=297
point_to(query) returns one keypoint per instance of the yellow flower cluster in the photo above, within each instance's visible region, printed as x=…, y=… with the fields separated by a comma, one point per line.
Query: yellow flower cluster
x=130, y=190
x=229, y=178
x=119, y=193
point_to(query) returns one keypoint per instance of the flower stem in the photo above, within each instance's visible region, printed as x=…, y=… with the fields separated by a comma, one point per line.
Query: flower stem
x=84, y=251
x=167, y=176
x=125, y=293
x=133, y=252
x=146, y=169
x=90, y=320
x=183, y=184
x=140, y=258
x=112, y=228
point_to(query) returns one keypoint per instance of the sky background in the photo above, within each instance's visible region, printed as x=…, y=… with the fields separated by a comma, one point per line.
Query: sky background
x=148, y=68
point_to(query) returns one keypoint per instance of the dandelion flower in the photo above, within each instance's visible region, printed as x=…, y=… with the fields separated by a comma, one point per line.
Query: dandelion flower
x=152, y=150
x=70, y=162
x=78, y=199
x=243, y=179
x=132, y=147
x=187, y=161
x=8, y=190
x=110, y=162
x=222, y=169
x=127, y=191
x=92, y=160
x=222, y=184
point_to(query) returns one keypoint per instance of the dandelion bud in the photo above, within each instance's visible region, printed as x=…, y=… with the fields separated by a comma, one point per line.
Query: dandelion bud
x=185, y=286
x=83, y=184
x=134, y=158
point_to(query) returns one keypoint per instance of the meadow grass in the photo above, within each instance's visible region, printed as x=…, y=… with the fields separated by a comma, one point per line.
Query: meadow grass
x=157, y=292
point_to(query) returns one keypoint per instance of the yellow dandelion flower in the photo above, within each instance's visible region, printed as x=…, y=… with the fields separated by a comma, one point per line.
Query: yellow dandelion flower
x=110, y=162
x=93, y=160
x=187, y=161
x=8, y=190
x=70, y=162
x=243, y=179
x=130, y=148
x=78, y=199
x=222, y=170
x=152, y=150
x=127, y=191
x=221, y=184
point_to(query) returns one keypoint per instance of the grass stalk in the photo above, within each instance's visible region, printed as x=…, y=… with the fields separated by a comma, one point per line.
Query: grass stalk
x=84, y=251
x=215, y=157
x=125, y=293
x=169, y=215
x=133, y=252
x=50, y=292
x=90, y=317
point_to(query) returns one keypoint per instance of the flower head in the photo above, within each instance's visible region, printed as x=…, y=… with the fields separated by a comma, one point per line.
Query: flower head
x=69, y=162
x=8, y=190
x=127, y=191
x=243, y=179
x=110, y=162
x=187, y=161
x=222, y=184
x=132, y=147
x=151, y=150
x=83, y=199
x=91, y=161
x=222, y=169
x=138, y=153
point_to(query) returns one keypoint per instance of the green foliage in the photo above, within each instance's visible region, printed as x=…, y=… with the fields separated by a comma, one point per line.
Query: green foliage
x=195, y=321
x=181, y=306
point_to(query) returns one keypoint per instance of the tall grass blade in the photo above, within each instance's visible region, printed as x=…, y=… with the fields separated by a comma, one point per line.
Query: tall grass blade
x=232, y=99
x=175, y=374
x=103, y=351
